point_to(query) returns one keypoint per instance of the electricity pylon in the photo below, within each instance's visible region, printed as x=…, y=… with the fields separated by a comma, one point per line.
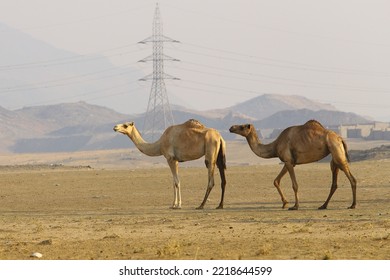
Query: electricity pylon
x=159, y=114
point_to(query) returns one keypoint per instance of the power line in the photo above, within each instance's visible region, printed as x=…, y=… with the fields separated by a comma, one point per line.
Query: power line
x=280, y=81
x=297, y=66
x=67, y=60
x=47, y=85
x=294, y=63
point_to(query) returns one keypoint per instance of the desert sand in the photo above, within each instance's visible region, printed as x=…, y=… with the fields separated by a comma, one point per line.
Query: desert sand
x=115, y=205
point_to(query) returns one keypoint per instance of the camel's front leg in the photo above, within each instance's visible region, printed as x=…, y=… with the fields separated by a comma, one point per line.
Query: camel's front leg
x=173, y=164
x=290, y=169
x=277, y=185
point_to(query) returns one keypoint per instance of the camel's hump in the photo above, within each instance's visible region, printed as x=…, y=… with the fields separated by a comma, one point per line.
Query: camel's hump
x=194, y=123
x=313, y=122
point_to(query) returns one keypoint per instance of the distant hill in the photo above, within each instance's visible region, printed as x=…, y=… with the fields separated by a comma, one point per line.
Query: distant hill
x=63, y=115
x=288, y=118
x=14, y=125
x=61, y=127
x=266, y=105
x=82, y=126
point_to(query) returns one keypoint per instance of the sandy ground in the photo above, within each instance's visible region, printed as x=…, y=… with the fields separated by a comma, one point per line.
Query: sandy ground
x=122, y=211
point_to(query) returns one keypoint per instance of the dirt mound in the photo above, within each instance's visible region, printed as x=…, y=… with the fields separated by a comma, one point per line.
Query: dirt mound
x=382, y=152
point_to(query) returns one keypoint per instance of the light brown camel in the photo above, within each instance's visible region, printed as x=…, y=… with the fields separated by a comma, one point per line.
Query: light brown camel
x=298, y=145
x=184, y=142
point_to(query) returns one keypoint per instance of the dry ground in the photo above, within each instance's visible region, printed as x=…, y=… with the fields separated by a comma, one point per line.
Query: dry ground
x=123, y=213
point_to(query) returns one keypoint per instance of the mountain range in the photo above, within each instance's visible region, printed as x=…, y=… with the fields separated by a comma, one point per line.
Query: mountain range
x=81, y=126
x=34, y=72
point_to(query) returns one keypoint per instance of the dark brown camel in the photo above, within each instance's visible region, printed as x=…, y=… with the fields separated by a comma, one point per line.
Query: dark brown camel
x=298, y=145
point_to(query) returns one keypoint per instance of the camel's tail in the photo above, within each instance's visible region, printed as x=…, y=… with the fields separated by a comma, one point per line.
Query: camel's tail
x=221, y=164
x=221, y=159
x=346, y=151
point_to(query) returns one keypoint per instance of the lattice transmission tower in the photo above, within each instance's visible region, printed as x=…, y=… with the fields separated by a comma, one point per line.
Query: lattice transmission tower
x=159, y=114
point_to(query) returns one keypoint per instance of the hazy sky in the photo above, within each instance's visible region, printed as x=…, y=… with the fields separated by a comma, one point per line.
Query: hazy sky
x=333, y=51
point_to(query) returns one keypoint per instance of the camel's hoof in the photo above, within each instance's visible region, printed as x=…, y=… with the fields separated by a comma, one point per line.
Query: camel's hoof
x=199, y=208
x=352, y=207
x=175, y=207
x=293, y=208
x=322, y=207
x=219, y=207
x=284, y=204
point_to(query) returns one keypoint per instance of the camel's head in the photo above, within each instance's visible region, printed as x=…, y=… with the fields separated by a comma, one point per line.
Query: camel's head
x=125, y=128
x=241, y=129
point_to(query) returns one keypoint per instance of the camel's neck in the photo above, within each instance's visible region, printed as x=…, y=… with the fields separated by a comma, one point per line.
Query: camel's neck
x=149, y=149
x=264, y=151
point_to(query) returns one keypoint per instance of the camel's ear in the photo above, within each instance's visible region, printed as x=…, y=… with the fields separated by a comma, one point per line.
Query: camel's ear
x=131, y=123
x=248, y=126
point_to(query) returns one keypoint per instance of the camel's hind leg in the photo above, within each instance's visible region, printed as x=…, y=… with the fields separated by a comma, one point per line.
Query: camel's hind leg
x=211, y=167
x=221, y=164
x=335, y=172
x=221, y=169
x=277, y=185
x=352, y=180
x=340, y=161
x=173, y=164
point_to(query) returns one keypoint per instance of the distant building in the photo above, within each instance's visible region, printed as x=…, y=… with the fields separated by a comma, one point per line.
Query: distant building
x=380, y=131
x=354, y=133
x=386, y=134
x=371, y=131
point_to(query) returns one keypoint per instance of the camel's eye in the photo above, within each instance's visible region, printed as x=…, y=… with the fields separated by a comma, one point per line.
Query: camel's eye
x=124, y=126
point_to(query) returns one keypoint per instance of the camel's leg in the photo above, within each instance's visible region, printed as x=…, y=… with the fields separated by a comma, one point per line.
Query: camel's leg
x=223, y=184
x=352, y=180
x=210, y=166
x=277, y=185
x=173, y=164
x=290, y=169
x=335, y=172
